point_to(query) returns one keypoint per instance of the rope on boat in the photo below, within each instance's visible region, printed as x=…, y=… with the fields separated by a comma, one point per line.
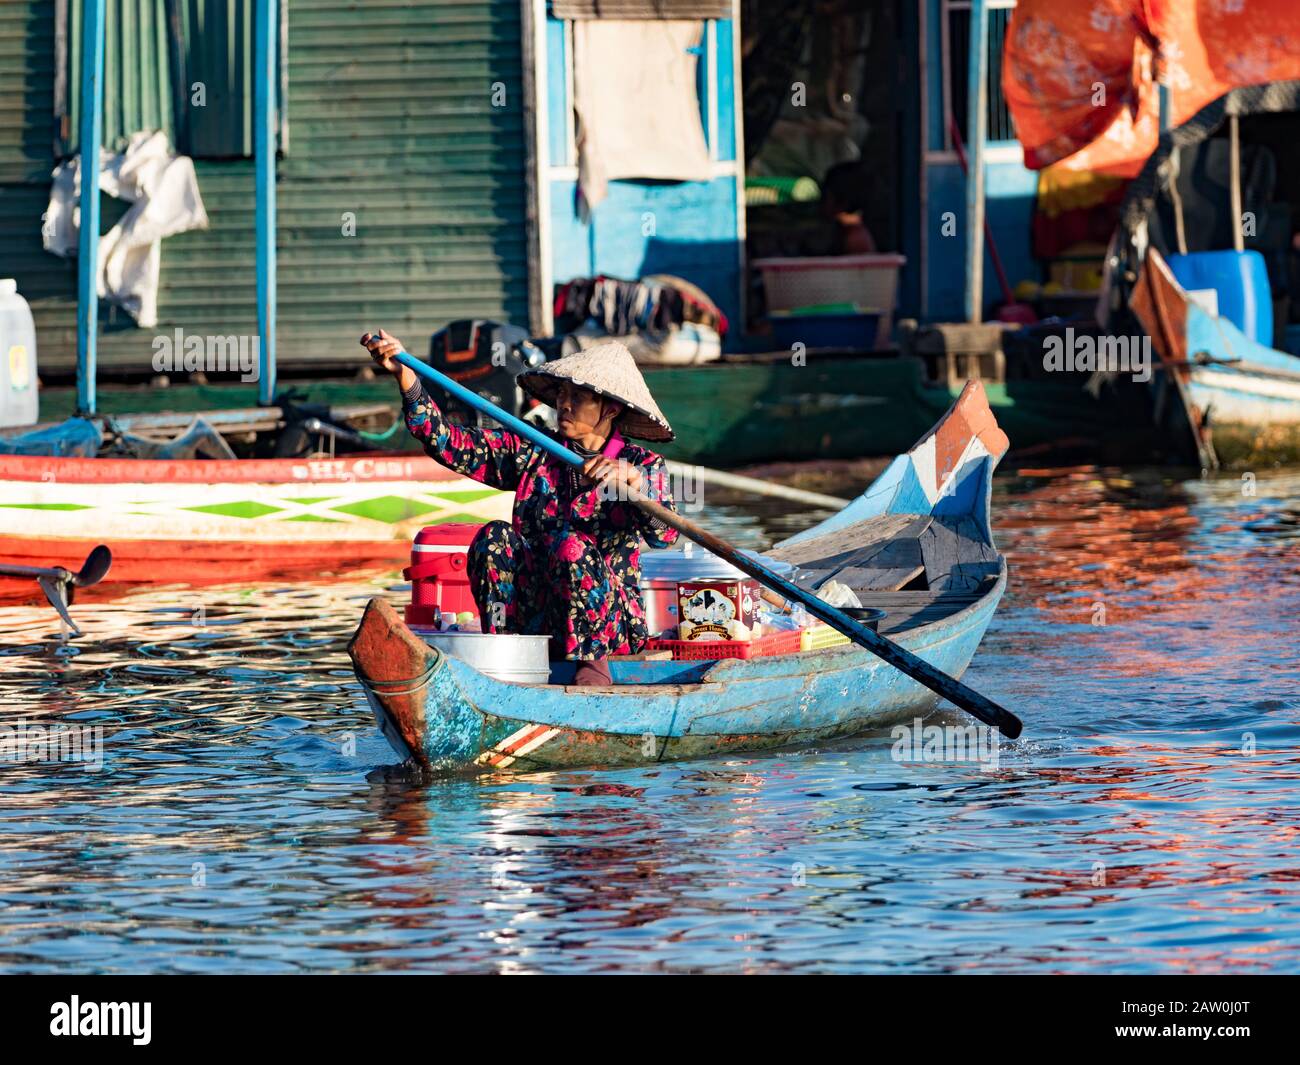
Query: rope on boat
x=414, y=684
x=379, y=438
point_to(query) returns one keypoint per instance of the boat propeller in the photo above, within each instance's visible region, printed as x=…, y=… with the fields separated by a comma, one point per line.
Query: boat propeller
x=60, y=584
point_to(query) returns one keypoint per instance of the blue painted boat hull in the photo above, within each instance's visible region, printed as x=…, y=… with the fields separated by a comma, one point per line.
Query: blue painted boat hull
x=1242, y=396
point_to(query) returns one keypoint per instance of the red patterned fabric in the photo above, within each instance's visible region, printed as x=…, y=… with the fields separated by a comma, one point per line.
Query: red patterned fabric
x=1079, y=77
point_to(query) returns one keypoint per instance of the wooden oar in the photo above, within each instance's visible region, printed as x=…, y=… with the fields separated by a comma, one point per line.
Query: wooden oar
x=59, y=584
x=904, y=661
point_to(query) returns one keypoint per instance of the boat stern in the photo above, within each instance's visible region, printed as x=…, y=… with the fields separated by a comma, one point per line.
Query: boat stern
x=417, y=702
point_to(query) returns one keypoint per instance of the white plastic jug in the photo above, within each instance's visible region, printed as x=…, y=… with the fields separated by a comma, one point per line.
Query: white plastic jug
x=18, y=401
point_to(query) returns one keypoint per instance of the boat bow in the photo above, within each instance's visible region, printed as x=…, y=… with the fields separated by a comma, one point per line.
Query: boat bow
x=402, y=677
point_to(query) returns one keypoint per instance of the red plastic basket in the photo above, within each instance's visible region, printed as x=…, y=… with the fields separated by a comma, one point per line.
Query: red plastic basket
x=785, y=642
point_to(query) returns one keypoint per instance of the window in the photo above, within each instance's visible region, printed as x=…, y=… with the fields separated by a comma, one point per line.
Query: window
x=956, y=67
x=182, y=66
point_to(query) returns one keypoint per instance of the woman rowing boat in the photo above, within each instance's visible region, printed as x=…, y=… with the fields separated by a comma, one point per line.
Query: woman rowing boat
x=568, y=565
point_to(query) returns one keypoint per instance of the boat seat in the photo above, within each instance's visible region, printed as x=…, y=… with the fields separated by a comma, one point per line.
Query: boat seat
x=907, y=610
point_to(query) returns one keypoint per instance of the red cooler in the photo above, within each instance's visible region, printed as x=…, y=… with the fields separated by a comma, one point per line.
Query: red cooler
x=439, y=580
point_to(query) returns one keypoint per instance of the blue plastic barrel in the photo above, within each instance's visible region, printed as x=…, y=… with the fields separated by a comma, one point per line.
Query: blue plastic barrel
x=1240, y=281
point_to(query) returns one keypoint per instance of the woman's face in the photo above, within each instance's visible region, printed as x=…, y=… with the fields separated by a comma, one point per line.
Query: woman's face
x=582, y=412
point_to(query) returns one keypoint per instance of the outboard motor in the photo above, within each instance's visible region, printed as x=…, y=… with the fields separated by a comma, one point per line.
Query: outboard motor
x=485, y=356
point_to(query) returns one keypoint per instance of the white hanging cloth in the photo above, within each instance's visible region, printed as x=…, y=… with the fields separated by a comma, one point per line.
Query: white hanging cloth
x=637, y=106
x=164, y=193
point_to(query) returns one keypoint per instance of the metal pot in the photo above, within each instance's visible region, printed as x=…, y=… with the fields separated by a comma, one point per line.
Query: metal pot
x=870, y=616
x=521, y=659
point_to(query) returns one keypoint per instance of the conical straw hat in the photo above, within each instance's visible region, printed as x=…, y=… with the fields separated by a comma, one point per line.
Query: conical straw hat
x=608, y=370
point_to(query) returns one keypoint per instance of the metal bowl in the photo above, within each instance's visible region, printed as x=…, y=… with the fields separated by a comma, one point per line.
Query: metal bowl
x=870, y=616
x=521, y=659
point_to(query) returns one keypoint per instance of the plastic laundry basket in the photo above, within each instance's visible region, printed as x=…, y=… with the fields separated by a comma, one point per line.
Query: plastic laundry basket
x=868, y=282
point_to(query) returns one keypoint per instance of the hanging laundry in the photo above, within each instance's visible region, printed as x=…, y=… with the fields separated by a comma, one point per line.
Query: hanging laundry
x=164, y=193
x=636, y=101
x=660, y=319
x=657, y=303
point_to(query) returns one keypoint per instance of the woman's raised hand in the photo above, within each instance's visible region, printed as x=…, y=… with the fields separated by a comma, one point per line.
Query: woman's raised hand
x=382, y=347
x=609, y=472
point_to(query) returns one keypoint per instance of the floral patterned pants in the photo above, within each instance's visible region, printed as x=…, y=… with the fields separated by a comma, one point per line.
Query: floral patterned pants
x=561, y=587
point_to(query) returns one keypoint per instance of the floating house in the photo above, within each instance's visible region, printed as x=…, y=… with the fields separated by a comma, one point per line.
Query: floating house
x=426, y=167
x=429, y=156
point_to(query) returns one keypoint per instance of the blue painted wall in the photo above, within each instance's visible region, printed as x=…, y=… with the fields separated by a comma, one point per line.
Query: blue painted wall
x=685, y=228
x=1009, y=207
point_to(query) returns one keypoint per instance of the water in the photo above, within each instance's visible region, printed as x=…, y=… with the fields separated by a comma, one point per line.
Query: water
x=234, y=827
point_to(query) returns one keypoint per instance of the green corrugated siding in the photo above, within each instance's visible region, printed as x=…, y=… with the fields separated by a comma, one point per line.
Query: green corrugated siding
x=391, y=118
x=26, y=92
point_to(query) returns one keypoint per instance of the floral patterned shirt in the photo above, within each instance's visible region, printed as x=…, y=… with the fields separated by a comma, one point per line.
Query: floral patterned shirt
x=550, y=505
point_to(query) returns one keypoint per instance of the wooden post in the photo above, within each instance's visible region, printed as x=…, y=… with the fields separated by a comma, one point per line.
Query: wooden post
x=92, y=129
x=977, y=100
x=1238, y=238
x=1173, y=169
x=264, y=111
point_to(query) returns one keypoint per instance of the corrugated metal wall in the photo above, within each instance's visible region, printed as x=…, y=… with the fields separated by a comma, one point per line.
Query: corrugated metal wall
x=392, y=122
x=27, y=157
x=26, y=91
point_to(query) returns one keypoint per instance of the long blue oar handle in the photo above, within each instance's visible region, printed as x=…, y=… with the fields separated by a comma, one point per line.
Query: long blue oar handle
x=473, y=399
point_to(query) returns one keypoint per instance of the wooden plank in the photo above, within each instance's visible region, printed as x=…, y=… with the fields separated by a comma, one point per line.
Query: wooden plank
x=843, y=543
x=888, y=563
x=861, y=580
x=955, y=554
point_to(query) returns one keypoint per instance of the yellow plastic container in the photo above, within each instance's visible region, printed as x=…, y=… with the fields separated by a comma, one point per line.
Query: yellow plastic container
x=817, y=636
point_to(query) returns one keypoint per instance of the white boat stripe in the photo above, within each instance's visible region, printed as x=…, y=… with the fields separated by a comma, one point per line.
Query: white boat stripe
x=1248, y=384
x=923, y=464
x=515, y=737
x=532, y=745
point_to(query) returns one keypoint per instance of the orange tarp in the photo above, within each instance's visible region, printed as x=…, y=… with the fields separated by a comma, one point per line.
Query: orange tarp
x=1078, y=74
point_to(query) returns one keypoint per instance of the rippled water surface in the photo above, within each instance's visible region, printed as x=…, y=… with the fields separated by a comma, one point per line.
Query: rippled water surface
x=1147, y=821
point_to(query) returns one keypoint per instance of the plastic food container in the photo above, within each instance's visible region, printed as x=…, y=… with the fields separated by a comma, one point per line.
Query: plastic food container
x=869, y=282
x=439, y=581
x=818, y=636
x=1239, y=281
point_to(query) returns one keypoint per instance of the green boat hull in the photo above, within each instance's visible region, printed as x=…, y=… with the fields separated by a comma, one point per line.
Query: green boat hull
x=748, y=412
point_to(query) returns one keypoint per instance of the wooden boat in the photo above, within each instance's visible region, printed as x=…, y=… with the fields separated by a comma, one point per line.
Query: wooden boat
x=1242, y=397
x=917, y=542
x=221, y=520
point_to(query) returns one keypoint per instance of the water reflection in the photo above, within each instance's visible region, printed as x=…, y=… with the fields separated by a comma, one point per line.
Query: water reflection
x=248, y=816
